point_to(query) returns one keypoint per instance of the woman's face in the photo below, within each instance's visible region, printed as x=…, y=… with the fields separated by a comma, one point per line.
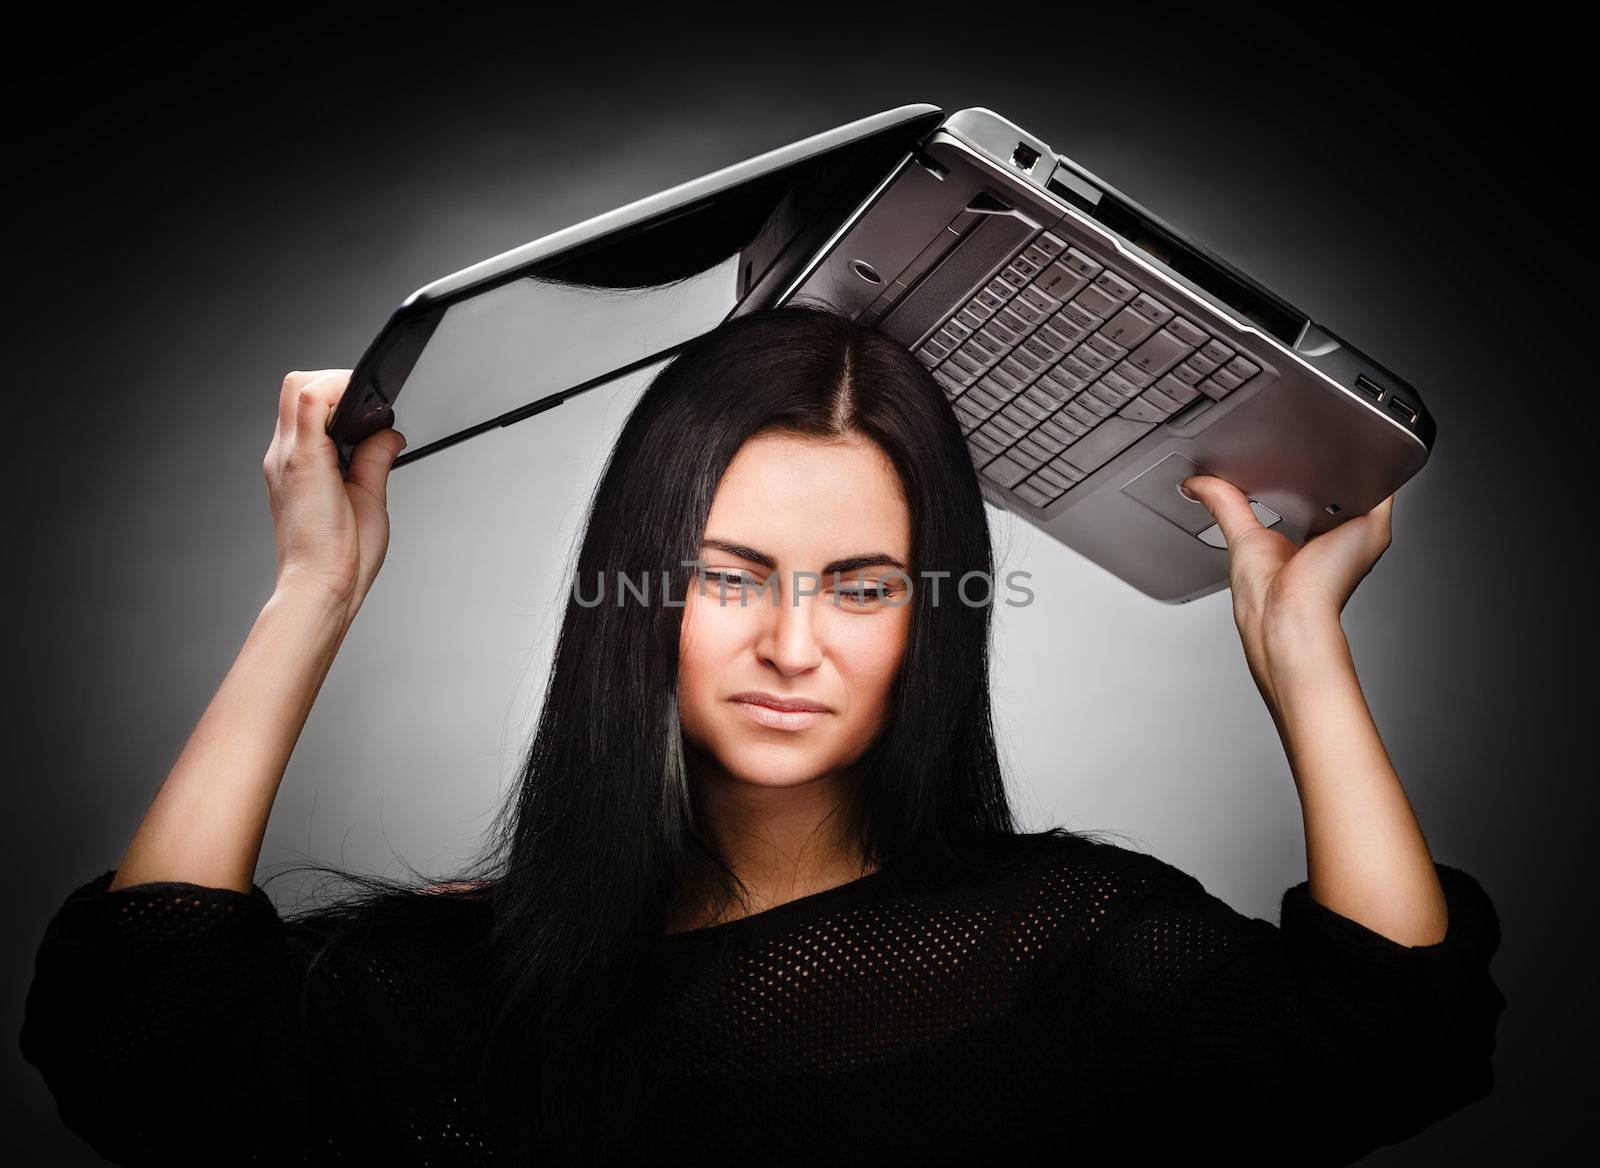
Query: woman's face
x=767, y=617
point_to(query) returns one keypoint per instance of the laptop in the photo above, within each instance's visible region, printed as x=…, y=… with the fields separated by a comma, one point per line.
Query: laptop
x=1093, y=355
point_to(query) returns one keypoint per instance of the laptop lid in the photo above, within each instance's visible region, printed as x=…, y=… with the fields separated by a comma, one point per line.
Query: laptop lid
x=521, y=332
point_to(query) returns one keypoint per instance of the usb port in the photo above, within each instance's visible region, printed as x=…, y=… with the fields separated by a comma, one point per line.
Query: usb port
x=1371, y=388
x=1405, y=409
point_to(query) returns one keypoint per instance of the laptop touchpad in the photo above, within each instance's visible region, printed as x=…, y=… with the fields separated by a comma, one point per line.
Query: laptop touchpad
x=1157, y=488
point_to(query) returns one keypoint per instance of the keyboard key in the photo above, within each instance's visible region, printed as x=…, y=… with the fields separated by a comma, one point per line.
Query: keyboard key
x=1242, y=369
x=964, y=361
x=982, y=400
x=1043, y=400
x=1080, y=263
x=1075, y=313
x=1021, y=417
x=1127, y=328
x=1160, y=353
x=1212, y=390
x=1148, y=306
x=1020, y=273
x=1032, y=315
x=1095, y=302
x=1179, y=391
x=1006, y=472
x=1065, y=469
x=1100, y=399
x=995, y=434
x=1190, y=371
x=979, y=454
x=1059, y=282
x=1001, y=384
x=1051, y=479
x=1033, y=494
x=1135, y=376
x=1142, y=411
x=1123, y=388
x=1106, y=347
x=1032, y=408
x=1047, y=353
x=1098, y=362
x=1187, y=331
x=1217, y=351
x=932, y=353
x=1079, y=412
x=1051, y=243
x=1016, y=369
x=1003, y=331
x=1045, y=442
x=1044, y=303
x=1008, y=427
x=1227, y=380
x=1115, y=286
x=1000, y=290
x=1022, y=456
x=961, y=376
x=1072, y=365
x=1105, y=442
x=1160, y=400
x=1063, y=330
x=1031, y=360
x=970, y=413
x=983, y=442
x=1038, y=256
x=1057, y=428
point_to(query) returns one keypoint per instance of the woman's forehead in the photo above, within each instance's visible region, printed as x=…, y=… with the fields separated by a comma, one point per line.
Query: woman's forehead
x=792, y=497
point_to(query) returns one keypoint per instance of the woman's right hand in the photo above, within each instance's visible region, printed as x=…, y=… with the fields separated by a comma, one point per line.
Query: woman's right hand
x=332, y=532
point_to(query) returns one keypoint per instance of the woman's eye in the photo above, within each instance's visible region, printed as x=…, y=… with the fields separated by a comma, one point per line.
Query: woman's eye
x=725, y=580
x=863, y=595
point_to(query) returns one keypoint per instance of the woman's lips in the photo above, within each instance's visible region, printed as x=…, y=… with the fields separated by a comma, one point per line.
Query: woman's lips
x=781, y=719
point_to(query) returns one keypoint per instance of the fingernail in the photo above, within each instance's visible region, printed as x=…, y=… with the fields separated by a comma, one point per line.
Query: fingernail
x=1184, y=491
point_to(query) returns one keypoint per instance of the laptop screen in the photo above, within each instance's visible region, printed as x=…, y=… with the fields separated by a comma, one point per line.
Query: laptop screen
x=480, y=350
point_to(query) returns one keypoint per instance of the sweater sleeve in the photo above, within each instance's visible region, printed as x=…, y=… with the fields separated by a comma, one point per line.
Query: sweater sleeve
x=171, y=1020
x=1317, y=1040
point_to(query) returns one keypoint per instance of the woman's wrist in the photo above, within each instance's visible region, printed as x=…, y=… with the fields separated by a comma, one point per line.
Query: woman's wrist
x=315, y=598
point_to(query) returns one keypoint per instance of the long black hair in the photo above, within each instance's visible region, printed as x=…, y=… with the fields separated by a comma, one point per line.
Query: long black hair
x=600, y=840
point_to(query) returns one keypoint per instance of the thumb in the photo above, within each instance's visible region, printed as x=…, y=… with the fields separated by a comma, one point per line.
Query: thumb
x=1226, y=502
x=372, y=458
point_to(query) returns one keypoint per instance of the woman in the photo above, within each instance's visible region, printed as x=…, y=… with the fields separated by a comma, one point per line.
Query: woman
x=711, y=928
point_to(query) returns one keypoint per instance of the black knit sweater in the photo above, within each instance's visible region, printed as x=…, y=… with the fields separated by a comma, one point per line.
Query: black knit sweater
x=1091, y=1000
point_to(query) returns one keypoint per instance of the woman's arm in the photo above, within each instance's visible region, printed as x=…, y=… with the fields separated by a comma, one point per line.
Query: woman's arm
x=1366, y=857
x=206, y=824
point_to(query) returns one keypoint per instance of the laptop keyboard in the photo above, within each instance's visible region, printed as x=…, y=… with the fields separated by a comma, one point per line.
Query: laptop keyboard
x=1059, y=364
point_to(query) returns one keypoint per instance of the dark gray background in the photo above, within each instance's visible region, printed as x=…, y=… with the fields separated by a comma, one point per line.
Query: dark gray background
x=202, y=212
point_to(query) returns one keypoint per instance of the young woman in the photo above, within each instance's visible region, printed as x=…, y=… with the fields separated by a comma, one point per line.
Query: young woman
x=710, y=927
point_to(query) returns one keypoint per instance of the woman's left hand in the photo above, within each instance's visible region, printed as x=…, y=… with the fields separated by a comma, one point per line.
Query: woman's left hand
x=1279, y=588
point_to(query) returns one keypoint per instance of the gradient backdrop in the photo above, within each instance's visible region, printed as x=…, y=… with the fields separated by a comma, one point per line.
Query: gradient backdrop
x=207, y=209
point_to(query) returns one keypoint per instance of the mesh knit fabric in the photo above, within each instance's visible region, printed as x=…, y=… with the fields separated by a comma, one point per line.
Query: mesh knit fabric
x=1092, y=1000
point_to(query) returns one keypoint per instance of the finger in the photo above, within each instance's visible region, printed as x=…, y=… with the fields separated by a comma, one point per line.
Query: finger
x=1227, y=504
x=372, y=459
x=288, y=395
x=1383, y=521
x=317, y=399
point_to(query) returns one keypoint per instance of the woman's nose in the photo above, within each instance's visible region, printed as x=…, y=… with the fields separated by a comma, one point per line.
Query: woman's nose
x=788, y=632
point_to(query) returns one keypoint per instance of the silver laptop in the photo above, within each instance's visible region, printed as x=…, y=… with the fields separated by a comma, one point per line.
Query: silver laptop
x=1093, y=355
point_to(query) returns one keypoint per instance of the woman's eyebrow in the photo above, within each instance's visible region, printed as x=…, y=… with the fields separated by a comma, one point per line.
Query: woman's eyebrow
x=848, y=564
